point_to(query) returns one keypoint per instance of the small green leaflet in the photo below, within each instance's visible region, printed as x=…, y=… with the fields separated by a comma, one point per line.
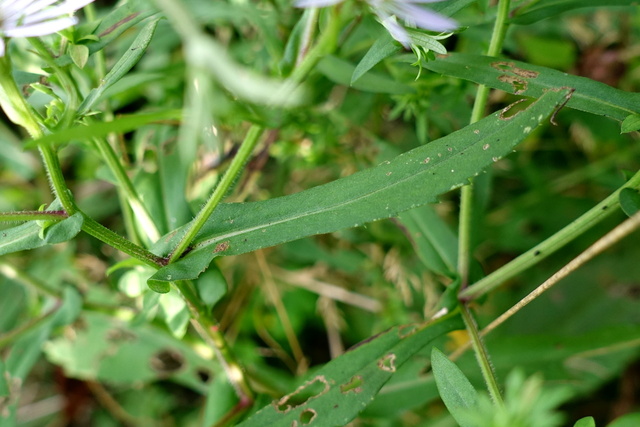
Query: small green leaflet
x=412, y=179
x=31, y=235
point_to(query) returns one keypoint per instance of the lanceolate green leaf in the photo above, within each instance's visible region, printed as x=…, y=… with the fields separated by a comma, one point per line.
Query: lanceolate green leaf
x=341, y=72
x=114, y=24
x=383, y=47
x=435, y=244
x=346, y=385
x=124, y=64
x=411, y=179
x=98, y=129
x=548, y=9
x=456, y=391
x=525, y=79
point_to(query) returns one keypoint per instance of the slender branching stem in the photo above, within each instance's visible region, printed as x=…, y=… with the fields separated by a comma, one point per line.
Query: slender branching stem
x=33, y=216
x=482, y=355
x=588, y=220
x=229, y=177
x=466, y=214
x=479, y=107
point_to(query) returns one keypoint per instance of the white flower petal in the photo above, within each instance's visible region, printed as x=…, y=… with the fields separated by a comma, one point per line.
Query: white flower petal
x=12, y=10
x=1, y=47
x=65, y=8
x=396, y=30
x=423, y=18
x=42, y=28
x=37, y=5
x=315, y=3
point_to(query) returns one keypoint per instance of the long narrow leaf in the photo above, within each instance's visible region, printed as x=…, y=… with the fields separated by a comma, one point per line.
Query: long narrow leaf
x=345, y=386
x=124, y=64
x=553, y=8
x=411, y=179
x=525, y=79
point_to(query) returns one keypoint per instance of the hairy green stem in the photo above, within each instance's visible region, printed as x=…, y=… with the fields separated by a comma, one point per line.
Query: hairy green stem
x=326, y=44
x=9, y=337
x=479, y=107
x=465, y=230
x=33, y=216
x=19, y=276
x=20, y=113
x=307, y=34
x=210, y=332
x=482, y=355
x=126, y=186
x=536, y=254
x=221, y=189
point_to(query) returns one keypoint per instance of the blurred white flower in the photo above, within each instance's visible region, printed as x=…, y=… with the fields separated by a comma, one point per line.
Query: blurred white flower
x=388, y=10
x=33, y=18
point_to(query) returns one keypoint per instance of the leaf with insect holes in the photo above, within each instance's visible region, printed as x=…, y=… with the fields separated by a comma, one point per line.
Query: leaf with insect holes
x=340, y=390
x=530, y=80
x=412, y=179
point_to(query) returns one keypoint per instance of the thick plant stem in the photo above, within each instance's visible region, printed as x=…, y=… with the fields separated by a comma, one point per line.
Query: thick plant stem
x=479, y=106
x=482, y=355
x=249, y=143
x=534, y=255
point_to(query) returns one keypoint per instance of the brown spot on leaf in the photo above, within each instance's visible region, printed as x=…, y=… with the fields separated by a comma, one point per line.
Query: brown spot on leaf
x=221, y=247
x=407, y=330
x=117, y=24
x=519, y=85
x=510, y=67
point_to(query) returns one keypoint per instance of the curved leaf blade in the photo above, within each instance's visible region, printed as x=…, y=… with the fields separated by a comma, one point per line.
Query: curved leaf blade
x=346, y=385
x=383, y=48
x=124, y=64
x=27, y=236
x=412, y=179
x=555, y=7
x=456, y=391
x=525, y=79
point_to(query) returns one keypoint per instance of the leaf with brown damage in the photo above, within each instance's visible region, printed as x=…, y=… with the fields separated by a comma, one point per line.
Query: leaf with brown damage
x=346, y=385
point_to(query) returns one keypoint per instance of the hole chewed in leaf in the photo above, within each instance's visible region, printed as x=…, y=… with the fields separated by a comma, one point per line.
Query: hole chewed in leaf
x=306, y=392
x=353, y=385
x=387, y=363
x=507, y=114
x=307, y=416
x=407, y=330
x=510, y=67
x=167, y=362
x=519, y=85
x=204, y=375
x=515, y=76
